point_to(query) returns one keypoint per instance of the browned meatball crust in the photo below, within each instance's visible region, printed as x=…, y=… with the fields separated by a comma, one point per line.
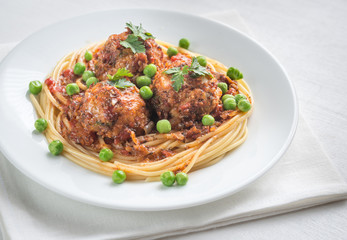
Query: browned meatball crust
x=109, y=112
x=114, y=56
x=197, y=97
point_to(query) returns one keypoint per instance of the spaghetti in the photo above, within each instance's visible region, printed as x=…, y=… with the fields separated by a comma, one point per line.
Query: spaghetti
x=187, y=156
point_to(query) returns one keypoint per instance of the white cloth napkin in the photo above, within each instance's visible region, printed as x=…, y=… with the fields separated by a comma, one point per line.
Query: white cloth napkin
x=304, y=177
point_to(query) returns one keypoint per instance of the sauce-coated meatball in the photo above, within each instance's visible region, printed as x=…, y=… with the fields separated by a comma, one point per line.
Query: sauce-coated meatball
x=114, y=56
x=109, y=112
x=198, y=96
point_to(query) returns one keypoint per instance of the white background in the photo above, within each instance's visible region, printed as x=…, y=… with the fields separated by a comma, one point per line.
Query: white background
x=310, y=40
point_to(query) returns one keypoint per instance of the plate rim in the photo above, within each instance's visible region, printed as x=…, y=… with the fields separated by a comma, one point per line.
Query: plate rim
x=246, y=183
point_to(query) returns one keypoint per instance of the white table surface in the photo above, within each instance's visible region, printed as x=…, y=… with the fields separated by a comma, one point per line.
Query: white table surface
x=310, y=40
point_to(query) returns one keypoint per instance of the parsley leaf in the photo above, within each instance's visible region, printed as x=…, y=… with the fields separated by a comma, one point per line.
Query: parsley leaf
x=177, y=76
x=133, y=41
x=178, y=80
x=173, y=70
x=185, y=70
x=234, y=74
x=118, y=80
x=121, y=83
x=122, y=72
x=138, y=31
x=134, y=44
x=197, y=69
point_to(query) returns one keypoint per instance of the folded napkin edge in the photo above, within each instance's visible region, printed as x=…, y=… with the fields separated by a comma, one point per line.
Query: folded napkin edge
x=317, y=201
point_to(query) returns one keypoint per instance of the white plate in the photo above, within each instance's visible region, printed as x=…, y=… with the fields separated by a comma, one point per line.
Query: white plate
x=271, y=127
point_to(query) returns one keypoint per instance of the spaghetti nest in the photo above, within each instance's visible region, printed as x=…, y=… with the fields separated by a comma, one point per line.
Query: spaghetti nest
x=186, y=155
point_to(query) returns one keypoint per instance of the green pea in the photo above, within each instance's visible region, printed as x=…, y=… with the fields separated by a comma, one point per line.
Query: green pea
x=181, y=178
x=119, y=176
x=145, y=92
x=35, y=87
x=244, y=105
x=202, y=61
x=91, y=80
x=88, y=56
x=234, y=74
x=163, y=126
x=223, y=86
x=87, y=74
x=229, y=104
x=207, y=120
x=41, y=124
x=105, y=154
x=171, y=51
x=79, y=68
x=168, y=178
x=226, y=96
x=238, y=97
x=150, y=70
x=72, y=88
x=184, y=43
x=143, y=81
x=56, y=147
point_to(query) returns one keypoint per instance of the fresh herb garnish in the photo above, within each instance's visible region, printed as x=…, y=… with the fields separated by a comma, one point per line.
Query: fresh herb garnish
x=121, y=72
x=138, y=31
x=118, y=80
x=121, y=83
x=234, y=74
x=178, y=74
x=197, y=69
x=133, y=41
x=134, y=44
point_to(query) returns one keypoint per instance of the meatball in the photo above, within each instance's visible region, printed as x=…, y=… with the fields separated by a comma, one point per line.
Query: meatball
x=114, y=56
x=109, y=112
x=197, y=97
